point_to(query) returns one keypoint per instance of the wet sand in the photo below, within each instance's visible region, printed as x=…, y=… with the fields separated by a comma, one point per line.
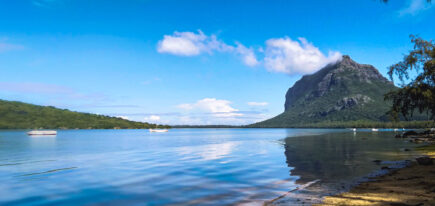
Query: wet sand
x=412, y=185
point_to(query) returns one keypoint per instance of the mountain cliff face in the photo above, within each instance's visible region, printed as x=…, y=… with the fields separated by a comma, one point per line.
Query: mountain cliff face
x=343, y=91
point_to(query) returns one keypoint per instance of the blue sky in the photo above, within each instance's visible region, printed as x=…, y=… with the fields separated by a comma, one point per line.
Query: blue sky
x=191, y=62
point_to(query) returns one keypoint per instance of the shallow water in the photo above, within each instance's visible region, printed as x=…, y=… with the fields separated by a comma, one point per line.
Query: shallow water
x=184, y=166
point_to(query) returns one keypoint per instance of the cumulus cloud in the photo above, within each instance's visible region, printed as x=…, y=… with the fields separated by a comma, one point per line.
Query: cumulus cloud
x=152, y=118
x=414, y=7
x=193, y=44
x=203, y=112
x=257, y=103
x=282, y=55
x=248, y=56
x=190, y=44
x=295, y=57
x=219, y=108
x=207, y=118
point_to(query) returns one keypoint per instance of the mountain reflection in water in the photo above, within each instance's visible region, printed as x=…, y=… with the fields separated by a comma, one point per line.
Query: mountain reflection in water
x=336, y=158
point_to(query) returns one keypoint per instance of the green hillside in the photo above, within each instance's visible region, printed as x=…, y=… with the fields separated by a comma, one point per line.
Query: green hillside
x=18, y=115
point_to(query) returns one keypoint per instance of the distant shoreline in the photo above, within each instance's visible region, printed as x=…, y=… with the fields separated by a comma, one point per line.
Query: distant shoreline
x=322, y=125
x=359, y=124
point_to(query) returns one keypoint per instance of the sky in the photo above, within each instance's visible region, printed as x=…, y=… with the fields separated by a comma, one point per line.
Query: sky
x=191, y=62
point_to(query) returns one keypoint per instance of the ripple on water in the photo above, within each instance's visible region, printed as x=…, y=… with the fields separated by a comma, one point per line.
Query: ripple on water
x=47, y=172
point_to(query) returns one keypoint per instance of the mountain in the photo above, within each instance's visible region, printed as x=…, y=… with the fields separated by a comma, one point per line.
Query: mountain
x=18, y=115
x=342, y=91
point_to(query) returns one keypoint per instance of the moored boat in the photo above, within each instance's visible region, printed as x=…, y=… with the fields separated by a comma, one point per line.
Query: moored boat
x=158, y=130
x=42, y=132
x=375, y=129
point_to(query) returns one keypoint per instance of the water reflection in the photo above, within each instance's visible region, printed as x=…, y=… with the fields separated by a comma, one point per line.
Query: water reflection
x=338, y=157
x=208, y=152
x=42, y=141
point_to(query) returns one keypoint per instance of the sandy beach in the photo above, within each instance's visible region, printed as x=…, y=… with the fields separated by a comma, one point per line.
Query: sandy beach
x=412, y=185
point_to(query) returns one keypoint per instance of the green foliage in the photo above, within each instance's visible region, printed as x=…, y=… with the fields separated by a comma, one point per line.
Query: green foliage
x=418, y=94
x=18, y=115
x=353, y=124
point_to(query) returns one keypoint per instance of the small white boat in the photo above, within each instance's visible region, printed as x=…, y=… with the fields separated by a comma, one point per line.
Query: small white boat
x=375, y=129
x=395, y=129
x=42, y=132
x=354, y=129
x=158, y=130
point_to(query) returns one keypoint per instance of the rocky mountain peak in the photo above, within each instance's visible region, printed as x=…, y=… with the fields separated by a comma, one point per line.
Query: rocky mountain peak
x=347, y=60
x=364, y=72
x=340, y=92
x=343, y=74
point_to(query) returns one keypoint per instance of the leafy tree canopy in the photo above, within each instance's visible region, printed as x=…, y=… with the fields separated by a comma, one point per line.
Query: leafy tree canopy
x=418, y=94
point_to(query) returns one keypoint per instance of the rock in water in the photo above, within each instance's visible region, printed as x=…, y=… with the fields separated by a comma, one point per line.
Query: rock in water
x=424, y=161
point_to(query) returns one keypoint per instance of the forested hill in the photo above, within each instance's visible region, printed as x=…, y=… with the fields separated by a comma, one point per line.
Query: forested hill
x=18, y=115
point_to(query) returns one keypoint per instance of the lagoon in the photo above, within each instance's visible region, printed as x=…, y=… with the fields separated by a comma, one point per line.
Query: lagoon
x=188, y=166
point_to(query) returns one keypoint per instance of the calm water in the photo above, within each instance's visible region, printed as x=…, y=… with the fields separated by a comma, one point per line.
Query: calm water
x=183, y=166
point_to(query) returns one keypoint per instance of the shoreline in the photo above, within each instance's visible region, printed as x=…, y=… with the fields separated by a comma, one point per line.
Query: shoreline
x=413, y=184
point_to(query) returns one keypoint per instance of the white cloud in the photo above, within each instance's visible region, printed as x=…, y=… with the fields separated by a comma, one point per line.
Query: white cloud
x=210, y=111
x=292, y=57
x=123, y=117
x=206, y=118
x=152, y=118
x=193, y=44
x=190, y=44
x=182, y=43
x=248, y=56
x=219, y=108
x=414, y=7
x=257, y=103
x=282, y=55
